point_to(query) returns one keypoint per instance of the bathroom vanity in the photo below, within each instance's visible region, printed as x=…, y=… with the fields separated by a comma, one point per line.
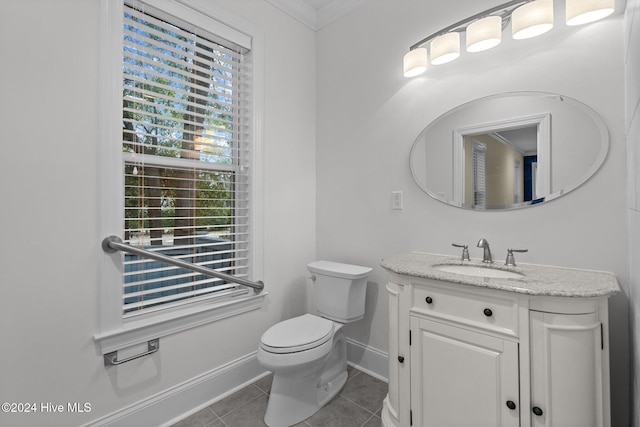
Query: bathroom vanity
x=480, y=345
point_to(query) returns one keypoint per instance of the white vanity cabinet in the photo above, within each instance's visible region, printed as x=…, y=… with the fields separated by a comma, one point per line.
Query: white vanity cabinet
x=496, y=352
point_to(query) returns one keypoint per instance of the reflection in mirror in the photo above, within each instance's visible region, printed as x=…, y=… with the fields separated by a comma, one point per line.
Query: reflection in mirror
x=502, y=164
x=502, y=152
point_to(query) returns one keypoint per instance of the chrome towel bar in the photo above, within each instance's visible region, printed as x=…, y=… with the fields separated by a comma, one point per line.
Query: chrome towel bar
x=113, y=244
x=111, y=359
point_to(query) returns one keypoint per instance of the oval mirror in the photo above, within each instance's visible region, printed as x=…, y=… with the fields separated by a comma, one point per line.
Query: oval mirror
x=509, y=151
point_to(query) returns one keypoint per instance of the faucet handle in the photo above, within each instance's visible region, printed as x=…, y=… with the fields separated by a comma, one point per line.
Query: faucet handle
x=511, y=261
x=465, y=251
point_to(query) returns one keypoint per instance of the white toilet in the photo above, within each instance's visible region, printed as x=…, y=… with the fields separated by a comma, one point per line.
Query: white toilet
x=308, y=354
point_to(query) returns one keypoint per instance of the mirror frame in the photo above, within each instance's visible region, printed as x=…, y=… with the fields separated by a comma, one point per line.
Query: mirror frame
x=542, y=120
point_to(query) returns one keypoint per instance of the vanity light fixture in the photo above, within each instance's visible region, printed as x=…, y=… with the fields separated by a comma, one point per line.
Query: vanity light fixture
x=584, y=11
x=532, y=19
x=445, y=48
x=484, y=34
x=415, y=62
x=528, y=18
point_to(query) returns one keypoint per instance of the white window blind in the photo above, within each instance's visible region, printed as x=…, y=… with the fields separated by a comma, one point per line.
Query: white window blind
x=479, y=174
x=517, y=181
x=186, y=148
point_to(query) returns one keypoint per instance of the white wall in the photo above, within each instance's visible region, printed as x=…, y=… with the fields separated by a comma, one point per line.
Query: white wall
x=50, y=250
x=369, y=116
x=632, y=71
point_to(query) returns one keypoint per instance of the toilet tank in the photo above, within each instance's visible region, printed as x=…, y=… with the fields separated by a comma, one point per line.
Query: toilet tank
x=340, y=290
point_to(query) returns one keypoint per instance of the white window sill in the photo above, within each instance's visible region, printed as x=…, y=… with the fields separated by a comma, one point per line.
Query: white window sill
x=138, y=331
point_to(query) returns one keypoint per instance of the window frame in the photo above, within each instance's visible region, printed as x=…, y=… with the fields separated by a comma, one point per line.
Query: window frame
x=117, y=332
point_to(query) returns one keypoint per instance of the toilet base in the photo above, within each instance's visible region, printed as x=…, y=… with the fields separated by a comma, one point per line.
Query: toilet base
x=288, y=407
x=294, y=398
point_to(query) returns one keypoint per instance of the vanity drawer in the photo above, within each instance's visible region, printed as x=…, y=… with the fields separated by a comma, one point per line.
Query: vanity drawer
x=493, y=312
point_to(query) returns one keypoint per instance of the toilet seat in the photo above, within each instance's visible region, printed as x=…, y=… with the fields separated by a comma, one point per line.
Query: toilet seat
x=297, y=334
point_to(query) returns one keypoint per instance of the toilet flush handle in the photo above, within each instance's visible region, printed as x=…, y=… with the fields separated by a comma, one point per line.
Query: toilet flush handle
x=313, y=278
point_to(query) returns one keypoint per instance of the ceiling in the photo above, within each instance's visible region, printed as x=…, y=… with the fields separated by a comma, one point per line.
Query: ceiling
x=317, y=3
x=316, y=13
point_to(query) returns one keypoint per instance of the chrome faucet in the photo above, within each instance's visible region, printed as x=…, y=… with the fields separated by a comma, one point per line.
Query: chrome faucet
x=482, y=243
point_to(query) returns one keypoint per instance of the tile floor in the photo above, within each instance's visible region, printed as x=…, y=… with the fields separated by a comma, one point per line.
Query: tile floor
x=358, y=404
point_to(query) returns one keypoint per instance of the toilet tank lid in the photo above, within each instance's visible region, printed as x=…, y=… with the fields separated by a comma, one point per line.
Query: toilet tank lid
x=338, y=269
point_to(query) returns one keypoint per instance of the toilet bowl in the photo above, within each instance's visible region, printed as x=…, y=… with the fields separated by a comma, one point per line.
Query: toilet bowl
x=308, y=354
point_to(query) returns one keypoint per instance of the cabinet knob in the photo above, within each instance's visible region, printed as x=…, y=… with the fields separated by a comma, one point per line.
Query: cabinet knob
x=511, y=404
x=537, y=411
x=488, y=312
x=429, y=300
x=401, y=359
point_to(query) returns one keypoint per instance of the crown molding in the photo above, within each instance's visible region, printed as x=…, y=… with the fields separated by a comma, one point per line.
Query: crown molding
x=314, y=18
x=334, y=10
x=299, y=10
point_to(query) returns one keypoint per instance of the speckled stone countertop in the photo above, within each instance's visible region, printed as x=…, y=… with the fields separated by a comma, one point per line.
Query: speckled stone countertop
x=536, y=279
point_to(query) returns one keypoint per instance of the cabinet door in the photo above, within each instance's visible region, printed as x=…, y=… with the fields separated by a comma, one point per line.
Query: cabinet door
x=396, y=405
x=462, y=378
x=566, y=370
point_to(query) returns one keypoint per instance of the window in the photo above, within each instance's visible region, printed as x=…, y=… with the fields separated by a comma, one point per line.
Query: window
x=185, y=135
x=188, y=168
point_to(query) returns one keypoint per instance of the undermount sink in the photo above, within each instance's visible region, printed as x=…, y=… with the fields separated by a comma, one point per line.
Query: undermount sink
x=477, y=271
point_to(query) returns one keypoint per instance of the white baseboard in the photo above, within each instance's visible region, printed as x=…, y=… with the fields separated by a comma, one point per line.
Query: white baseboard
x=169, y=406
x=367, y=359
x=173, y=404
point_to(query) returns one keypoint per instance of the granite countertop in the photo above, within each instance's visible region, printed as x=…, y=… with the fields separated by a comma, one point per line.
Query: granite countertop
x=536, y=280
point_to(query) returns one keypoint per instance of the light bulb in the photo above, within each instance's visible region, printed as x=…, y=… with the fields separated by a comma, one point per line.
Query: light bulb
x=445, y=48
x=484, y=34
x=584, y=11
x=415, y=62
x=532, y=19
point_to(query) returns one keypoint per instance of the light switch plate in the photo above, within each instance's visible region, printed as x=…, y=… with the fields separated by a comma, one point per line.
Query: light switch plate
x=396, y=200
